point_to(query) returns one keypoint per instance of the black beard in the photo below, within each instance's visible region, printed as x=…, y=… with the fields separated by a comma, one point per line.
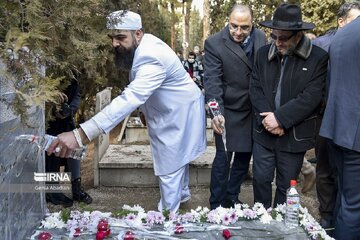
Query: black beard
x=124, y=57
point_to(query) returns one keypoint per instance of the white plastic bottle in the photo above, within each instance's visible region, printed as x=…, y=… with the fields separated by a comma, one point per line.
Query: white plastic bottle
x=292, y=206
x=44, y=142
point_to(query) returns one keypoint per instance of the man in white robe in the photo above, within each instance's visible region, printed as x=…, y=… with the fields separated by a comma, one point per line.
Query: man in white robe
x=170, y=100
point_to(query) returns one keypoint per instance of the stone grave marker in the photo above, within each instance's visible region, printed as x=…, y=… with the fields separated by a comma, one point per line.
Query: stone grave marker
x=22, y=204
x=101, y=143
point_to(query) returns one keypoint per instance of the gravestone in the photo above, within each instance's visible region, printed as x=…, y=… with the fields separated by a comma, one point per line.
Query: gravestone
x=101, y=144
x=22, y=204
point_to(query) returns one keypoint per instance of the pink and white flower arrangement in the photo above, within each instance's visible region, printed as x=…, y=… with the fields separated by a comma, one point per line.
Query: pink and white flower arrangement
x=200, y=219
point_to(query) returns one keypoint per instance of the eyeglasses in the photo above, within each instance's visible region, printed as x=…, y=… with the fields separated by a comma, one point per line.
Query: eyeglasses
x=233, y=27
x=282, y=38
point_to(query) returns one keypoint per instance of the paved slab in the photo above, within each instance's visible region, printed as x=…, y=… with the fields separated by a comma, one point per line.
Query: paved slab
x=136, y=132
x=131, y=165
x=139, y=156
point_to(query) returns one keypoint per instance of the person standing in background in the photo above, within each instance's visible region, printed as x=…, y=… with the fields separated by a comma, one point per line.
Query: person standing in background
x=199, y=56
x=195, y=69
x=326, y=173
x=341, y=126
x=228, y=62
x=64, y=121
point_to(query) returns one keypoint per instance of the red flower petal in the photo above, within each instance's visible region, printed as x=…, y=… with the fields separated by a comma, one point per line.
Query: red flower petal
x=102, y=226
x=179, y=228
x=44, y=236
x=129, y=235
x=226, y=234
x=100, y=235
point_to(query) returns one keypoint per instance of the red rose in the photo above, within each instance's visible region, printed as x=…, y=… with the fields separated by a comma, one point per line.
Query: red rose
x=44, y=236
x=107, y=232
x=129, y=235
x=100, y=235
x=103, y=221
x=179, y=228
x=102, y=226
x=226, y=234
x=77, y=232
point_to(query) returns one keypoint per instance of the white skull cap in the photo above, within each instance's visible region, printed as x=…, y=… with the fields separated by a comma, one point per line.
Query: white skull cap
x=124, y=20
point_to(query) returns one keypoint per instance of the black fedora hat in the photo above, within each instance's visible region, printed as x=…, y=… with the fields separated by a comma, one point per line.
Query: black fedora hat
x=287, y=17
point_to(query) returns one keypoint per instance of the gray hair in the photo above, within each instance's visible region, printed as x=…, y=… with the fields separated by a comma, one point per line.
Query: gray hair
x=346, y=7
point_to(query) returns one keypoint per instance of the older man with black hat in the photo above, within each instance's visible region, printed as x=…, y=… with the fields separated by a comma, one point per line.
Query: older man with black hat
x=172, y=103
x=286, y=90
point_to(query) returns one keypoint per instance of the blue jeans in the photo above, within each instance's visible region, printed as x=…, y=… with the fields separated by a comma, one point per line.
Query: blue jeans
x=222, y=186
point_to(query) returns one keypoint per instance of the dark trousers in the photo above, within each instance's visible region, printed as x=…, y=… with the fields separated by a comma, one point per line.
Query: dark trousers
x=326, y=184
x=53, y=163
x=265, y=162
x=347, y=211
x=223, y=186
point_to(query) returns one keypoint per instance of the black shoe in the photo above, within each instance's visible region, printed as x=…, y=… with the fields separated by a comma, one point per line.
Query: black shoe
x=59, y=199
x=82, y=196
x=228, y=203
x=328, y=225
x=78, y=192
x=324, y=223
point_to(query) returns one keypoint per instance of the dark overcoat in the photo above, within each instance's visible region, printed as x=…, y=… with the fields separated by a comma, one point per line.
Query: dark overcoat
x=68, y=110
x=341, y=121
x=226, y=79
x=301, y=94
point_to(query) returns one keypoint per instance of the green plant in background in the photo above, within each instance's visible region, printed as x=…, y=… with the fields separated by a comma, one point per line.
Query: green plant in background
x=323, y=13
x=64, y=40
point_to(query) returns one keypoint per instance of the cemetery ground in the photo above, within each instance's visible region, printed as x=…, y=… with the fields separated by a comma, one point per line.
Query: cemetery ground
x=109, y=199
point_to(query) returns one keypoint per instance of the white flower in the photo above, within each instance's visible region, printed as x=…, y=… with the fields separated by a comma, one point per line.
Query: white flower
x=260, y=210
x=265, y=218
x=204, y=211
x=53, y=221
x=239, y=213
x=126, y=207
x=258, y=205
x=138, y=209
x=244, y=205
x=86, y=214
x=281, y=208
x=142, y=215
x=214, y=217
x=279, y=218
x=135, y=208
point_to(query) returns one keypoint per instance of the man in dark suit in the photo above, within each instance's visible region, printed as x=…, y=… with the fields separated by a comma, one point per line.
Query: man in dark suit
x=326, y=175
x=229, y=57
x=341, y=124
x=286, y=90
